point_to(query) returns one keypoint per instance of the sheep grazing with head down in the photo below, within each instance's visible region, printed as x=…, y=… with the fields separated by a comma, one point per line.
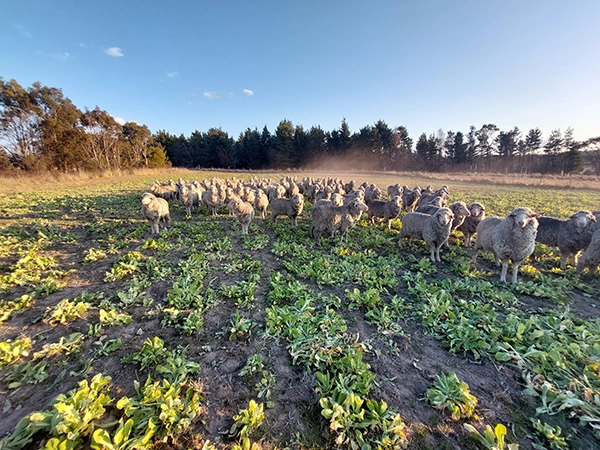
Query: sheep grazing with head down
x=510, y=238
x=385, y=210
x=433, y=229
x=469, y=226
x=156, y=210
x=590, y=259
x=570, y=236
x=287, y=207
x=244, y=212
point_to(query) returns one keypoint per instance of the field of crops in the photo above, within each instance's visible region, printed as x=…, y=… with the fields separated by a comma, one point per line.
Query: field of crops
x=113, y=338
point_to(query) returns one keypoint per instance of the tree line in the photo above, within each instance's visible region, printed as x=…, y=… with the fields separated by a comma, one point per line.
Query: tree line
x=40, y=129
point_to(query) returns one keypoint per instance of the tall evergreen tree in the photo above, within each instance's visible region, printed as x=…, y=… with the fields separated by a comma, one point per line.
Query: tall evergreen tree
x=460, y=148
x=283, y=150
x=533, y=140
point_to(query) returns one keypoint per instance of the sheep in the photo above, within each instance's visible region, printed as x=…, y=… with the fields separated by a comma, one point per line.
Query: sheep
x=336, y=200
x=394, y=190
x=244, y=212
x=469, y=226
x=434, y=229
x=261, y=203
x=431, y=207
x=385, y=210
x=591, y=257
x=335, y=218
x=287, y=207
x=570, y=236
x=508, y=238
x=410, y=198
x=189, y=199
x=167, y=191
x=211, y=199
x=156, y=210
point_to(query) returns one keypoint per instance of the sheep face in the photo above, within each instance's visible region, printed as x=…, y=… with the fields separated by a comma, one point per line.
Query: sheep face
x=521, y=217
x=444, y=216
x=460, y=209
x=397, y=201
x=476, y=209
x=147, y=198
x=582, y=219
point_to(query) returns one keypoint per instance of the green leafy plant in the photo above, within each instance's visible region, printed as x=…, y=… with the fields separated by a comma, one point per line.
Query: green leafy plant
x=65, y=345
x=112, y=317
x=66, y=311
x=152, y=353
x=253, y=365
x=491, y=439
x=248, y=420
x=551, y=435
x=449, y=393
x=160, y=410
x=69, y=420
x=241, y=327
x=12, y=351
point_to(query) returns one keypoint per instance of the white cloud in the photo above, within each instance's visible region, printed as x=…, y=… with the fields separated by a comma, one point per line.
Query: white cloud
x=248, y=92
x=114, y=51
x=172, y=74
x=212, y=95
x=64, y=56
x=120, y=120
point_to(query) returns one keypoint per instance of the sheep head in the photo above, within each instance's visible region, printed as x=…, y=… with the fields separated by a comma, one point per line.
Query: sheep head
x=444, y=216
x=523, y=216
x=148, y=198
x=476, y=209
x=582, y=219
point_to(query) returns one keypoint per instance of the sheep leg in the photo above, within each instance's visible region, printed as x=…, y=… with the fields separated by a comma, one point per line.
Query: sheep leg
x=564, y=257
x=432, y=255
x=504, y=271
x=515, y=272
x=437, y=253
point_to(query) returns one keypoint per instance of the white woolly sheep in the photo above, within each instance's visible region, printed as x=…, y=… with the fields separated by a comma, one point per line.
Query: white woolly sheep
x=510, y=238
x=261, y=203
x=570, y=236
x=434, y=229
x=211, y=199
x=287, y=207
x=156, y=210
x=244, y=212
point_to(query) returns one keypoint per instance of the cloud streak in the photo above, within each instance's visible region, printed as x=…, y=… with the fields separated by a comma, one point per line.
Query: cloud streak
x=23, y=31
x=114, y=51
x=248, y=92
x=172, y=74
x=212, y=95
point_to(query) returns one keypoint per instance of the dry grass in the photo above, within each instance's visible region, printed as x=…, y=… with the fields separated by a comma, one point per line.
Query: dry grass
x=14, y=181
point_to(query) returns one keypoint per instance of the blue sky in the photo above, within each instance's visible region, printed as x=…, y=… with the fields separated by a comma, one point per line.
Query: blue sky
x=425, y=64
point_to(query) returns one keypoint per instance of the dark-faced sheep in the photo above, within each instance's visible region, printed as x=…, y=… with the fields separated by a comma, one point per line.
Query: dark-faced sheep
x=469, y=226
x=156, y=210
x=434, y=229
x=510, y=238
x=570, y=236
x=287, y=207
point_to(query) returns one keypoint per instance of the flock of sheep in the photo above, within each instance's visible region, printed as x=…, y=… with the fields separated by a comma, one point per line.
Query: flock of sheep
x=338, y=205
